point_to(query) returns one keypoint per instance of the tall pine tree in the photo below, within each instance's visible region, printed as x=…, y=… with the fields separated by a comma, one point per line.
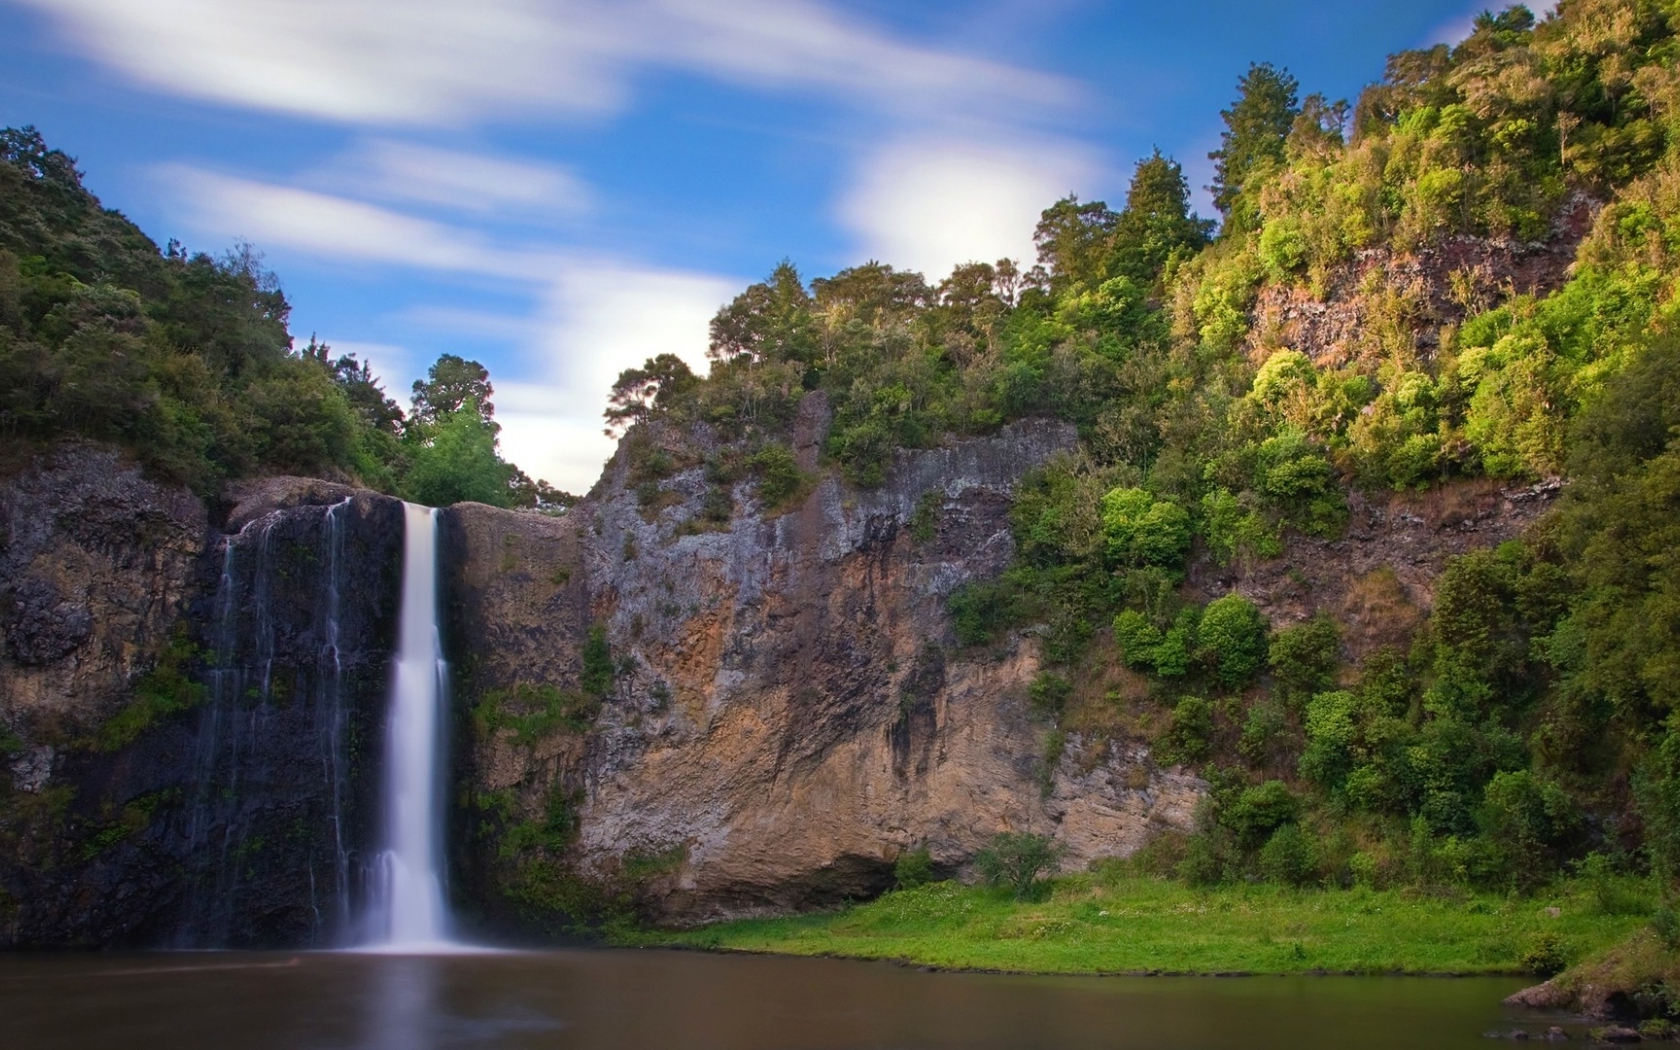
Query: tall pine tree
x=1156, y=224
x=1256, y=127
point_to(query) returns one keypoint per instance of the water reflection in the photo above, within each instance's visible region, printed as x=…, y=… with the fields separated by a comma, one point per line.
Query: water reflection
x=403, y=1011
x=601, y=999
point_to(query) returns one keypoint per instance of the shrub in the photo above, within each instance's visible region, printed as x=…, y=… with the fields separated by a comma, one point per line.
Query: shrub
x=1525, y=821
x=598, y=670
x=1231, y=640
x=1189, y=737
x=924, y=521
x=1049, y=693
x=1283, y=246
x=1303, y=658
x=1665, y=923
x=1545, y=955
x=1016, y=859
x=1204, y=862
x=1139, y=640
x=1289, y=857
x=913, y=868
x=1332, y=729
x=1258, y=811
x=779, y=478
x=1141, y=530
x=1608, y=894
x=981, y=610
x=1263, y=728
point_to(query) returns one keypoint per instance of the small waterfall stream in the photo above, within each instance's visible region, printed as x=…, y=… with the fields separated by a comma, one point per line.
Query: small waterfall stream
x=277, y=681
x=407, y=910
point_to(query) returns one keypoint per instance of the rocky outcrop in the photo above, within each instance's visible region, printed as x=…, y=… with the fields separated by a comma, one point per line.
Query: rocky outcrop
x=790, y=711
x=1377, y=578
x=717, y=714
x=1628, y=982
x=1386, y=303
x=188, y=705
x=97, y=564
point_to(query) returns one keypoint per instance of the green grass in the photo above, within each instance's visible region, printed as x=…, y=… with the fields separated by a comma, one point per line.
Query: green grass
x=1143, y=925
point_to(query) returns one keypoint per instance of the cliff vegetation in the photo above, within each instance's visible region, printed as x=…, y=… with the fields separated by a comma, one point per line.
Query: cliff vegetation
x=1461, y=283
x=185, y=359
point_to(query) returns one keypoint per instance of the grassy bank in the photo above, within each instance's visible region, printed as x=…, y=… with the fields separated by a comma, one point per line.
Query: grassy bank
x=1147, y=925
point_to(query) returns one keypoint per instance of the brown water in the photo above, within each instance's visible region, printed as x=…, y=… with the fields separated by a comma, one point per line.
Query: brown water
x=628, y=1000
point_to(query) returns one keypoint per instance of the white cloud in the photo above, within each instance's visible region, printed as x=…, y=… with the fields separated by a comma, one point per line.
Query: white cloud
x=600, y=318
x=339, y=229
x=471, y=182
x=446, y=61
x=1457, y=30
x=396, y=367
x=565, y=450
x=784, y=42
x=929, y=205
x=377, y=61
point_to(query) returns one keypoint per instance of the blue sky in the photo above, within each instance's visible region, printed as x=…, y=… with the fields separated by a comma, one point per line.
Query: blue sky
x=562, y=188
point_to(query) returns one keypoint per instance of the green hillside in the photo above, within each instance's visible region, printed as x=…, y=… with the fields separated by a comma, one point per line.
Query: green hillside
x=186, y=359
x=1522, y=728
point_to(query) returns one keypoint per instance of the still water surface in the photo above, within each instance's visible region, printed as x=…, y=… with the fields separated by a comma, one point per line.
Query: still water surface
x=630, y=1000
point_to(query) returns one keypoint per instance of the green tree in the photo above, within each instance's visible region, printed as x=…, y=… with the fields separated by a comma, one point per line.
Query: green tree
x=770, y=321
x=1304, y=657
x=458, y=462
x=1526, y=823
x=1252, y=145
x=1142, y=530
x=451, y=383
x=1156, y=225
x=1231, y=640
x=1016, y=859
x=1074, y=241
x=640, y=393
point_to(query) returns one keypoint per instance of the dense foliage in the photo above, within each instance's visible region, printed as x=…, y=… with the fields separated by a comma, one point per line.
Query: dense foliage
x=1523, y=726
x=186, y=359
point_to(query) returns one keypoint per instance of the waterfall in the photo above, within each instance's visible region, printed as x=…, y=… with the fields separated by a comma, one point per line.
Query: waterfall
x=407, y=911
x=277, y=681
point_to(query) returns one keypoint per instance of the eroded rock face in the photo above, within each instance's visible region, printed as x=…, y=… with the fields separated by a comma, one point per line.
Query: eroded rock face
x=792, y=711
x=1385, y=300
x=1377, y=578
x=96, y=565
x=191, y=711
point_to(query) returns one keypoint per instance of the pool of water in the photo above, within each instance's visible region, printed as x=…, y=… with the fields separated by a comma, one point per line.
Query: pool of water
x=629, y=1000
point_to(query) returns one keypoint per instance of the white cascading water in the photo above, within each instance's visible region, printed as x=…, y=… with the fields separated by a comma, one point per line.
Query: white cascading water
x=407, y=912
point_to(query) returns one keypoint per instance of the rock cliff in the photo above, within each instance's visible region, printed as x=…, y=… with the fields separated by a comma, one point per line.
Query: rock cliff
x=789, y=710
x=696, y=713
x=188, y=695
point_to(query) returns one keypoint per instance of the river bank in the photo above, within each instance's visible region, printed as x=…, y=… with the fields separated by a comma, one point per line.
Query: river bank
x=1149, y=926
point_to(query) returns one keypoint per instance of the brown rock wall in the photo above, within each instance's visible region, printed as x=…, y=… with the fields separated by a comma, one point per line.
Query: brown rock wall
x=792, y=712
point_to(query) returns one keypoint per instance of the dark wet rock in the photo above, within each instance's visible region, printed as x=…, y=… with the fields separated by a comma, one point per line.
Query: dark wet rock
x=195, y=743
x=1617, y=1034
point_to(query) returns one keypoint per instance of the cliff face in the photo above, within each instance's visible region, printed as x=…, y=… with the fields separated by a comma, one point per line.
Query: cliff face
x=1387, y=303
x=1377, y=579
x=188, y=706
x=790, y=711
x=709, y=717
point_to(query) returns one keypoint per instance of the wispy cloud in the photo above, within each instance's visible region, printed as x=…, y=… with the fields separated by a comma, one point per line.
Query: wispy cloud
x=432, y=62
x=474, y=182
x=929, y=205
x=601, y=317
x=338, y=228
